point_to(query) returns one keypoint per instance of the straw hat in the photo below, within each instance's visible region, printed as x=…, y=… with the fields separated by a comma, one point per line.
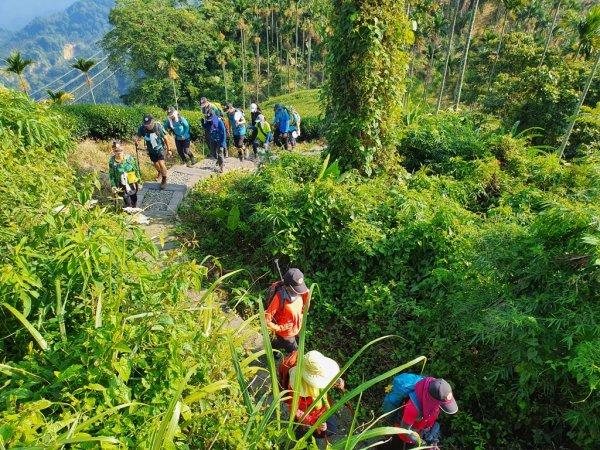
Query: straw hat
x=318, y=370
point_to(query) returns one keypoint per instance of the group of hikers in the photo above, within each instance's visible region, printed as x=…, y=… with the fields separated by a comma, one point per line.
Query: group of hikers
x=221, y=125
x=413, y=403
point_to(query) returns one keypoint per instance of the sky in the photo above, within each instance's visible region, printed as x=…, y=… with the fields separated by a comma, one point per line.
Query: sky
x=15, y=14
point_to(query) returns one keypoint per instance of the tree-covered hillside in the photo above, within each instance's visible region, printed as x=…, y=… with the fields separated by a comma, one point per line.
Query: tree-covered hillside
x=55, y=42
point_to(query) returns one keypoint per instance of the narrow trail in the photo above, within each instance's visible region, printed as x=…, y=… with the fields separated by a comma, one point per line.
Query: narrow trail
x=160, y=207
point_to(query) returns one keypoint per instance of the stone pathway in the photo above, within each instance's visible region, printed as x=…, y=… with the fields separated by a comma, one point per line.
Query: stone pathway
x=161, y=205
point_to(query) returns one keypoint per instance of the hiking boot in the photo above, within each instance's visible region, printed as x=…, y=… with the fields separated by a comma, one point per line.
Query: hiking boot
x=241, y=155
x=193, y=160
x=163, y=184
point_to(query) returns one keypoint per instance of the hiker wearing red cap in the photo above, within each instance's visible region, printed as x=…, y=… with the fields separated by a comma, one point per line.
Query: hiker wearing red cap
x=426, y=399
x=286, y=308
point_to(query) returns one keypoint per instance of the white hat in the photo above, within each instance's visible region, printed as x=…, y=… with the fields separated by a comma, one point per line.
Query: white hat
x=318, y=370
x=253, y=107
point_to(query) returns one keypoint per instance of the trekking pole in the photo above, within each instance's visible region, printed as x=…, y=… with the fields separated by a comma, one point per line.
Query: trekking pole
x=278, y=269
x=137, y=155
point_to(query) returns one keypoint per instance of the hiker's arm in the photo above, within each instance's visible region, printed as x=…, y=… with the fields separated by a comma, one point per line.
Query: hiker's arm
x=270, y=314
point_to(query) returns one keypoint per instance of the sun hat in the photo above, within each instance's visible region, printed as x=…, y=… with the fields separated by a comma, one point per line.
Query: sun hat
x=294, y=278
x=440, y=390
x=318, y=370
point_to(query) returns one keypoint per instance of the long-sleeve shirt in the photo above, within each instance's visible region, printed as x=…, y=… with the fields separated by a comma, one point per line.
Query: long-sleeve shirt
x=278, y=319
x=180, y=127
x=117, y=168
x=218, y=133
x=282, y=120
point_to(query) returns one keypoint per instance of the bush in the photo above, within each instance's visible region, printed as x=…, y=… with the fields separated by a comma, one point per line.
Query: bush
x=106, y=122
x=434, y=140
x=101, y=345
x=502, y=299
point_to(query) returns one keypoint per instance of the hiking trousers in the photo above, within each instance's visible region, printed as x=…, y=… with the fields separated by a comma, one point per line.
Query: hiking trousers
x=281, y=139
x=288, y=344
x=183, y=149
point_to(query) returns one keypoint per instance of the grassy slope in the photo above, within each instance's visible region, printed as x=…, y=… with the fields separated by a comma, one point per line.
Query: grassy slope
x=306, y=102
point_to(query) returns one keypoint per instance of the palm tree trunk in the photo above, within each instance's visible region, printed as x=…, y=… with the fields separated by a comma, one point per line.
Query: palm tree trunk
x=23, y=84
x=243, y=36
x=287, y=62
x=550, y=33
x=461, y=77
x=225, y=83
x=89, y=83
x=428, y=74
x=296, y=50
x=309, y=55
x=497, y=55
x=257, y=70
x=565, y=141
x=448, y=52
x=268, y=61
x=175, y=94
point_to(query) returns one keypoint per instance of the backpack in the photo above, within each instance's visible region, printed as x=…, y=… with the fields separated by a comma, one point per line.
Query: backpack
x=294, y=118
x=403, y=388
x=271, y=291
x=284, y=368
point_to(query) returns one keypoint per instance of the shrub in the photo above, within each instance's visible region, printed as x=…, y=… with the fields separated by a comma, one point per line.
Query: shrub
x=106, y=122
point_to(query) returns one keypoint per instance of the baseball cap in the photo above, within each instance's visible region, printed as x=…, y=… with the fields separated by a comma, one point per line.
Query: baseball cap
x=294, y=278
x=440, y=390
x=116, y=145
x=171, y=110
x=277, y=106
x=228, y=105
x=148, y=119
x=203, y=100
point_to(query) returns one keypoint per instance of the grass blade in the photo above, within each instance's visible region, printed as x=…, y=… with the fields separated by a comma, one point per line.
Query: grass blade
x=161, y=435
x=35, y=333
x=240, y=377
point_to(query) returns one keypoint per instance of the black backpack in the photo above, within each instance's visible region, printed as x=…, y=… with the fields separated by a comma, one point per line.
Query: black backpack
x=272, y=290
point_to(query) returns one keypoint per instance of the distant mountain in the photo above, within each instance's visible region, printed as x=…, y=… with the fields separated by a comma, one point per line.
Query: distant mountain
x=56, y=41
x=15, y=14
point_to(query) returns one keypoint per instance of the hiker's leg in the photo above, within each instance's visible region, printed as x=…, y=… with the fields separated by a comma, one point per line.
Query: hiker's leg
x=221, y=157
x=134, y=194
x=332, y=425
x=187, y=150
x=126, y=198
x=255, y=146
x=284, y=139
x=292, y=141
x=181, y=150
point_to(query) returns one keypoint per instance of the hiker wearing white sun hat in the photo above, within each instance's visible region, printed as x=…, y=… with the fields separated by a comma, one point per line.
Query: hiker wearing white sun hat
x=317, y=372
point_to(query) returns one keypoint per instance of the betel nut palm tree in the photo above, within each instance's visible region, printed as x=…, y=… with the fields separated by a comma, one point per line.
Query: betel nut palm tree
x=16, y=64
x=85, y=65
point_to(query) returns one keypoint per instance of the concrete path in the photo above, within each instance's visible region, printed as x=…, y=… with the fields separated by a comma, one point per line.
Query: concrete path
x=160, y=206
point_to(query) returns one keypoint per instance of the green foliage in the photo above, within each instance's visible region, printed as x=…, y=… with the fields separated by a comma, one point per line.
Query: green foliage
x=102, y=344
x=490, y=269
x=106, y=122
x=307, y=103
x=366, y=71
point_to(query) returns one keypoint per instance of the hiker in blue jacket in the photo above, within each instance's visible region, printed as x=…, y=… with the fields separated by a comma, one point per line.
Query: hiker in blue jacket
x=181, y=129
x=218, y=138
x=414, y=403
x=281, y=126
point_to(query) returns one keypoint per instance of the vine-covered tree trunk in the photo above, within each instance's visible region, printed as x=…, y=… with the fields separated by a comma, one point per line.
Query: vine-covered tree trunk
x=366, y=74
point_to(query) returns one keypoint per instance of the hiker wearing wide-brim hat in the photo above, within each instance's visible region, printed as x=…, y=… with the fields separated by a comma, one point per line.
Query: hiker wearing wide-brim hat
x=124, y=175
x=286, y=299
x=317, y=372
x=427, y=398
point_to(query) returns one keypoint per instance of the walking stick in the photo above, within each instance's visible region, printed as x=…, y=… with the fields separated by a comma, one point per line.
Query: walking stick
x=137, y=155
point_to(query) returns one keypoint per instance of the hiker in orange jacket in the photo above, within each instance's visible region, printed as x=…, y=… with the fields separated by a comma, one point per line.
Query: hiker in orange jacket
x=286, y=309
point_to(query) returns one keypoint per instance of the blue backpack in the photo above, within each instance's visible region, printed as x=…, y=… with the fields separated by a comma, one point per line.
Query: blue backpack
x=403, y=387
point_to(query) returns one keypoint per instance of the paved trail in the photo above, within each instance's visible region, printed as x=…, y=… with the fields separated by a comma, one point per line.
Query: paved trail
x=160, y=206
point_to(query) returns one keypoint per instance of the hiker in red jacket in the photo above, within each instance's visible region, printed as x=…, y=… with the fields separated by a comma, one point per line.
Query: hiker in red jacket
x=285, y=310
x=317, y=372
x=433, y=395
